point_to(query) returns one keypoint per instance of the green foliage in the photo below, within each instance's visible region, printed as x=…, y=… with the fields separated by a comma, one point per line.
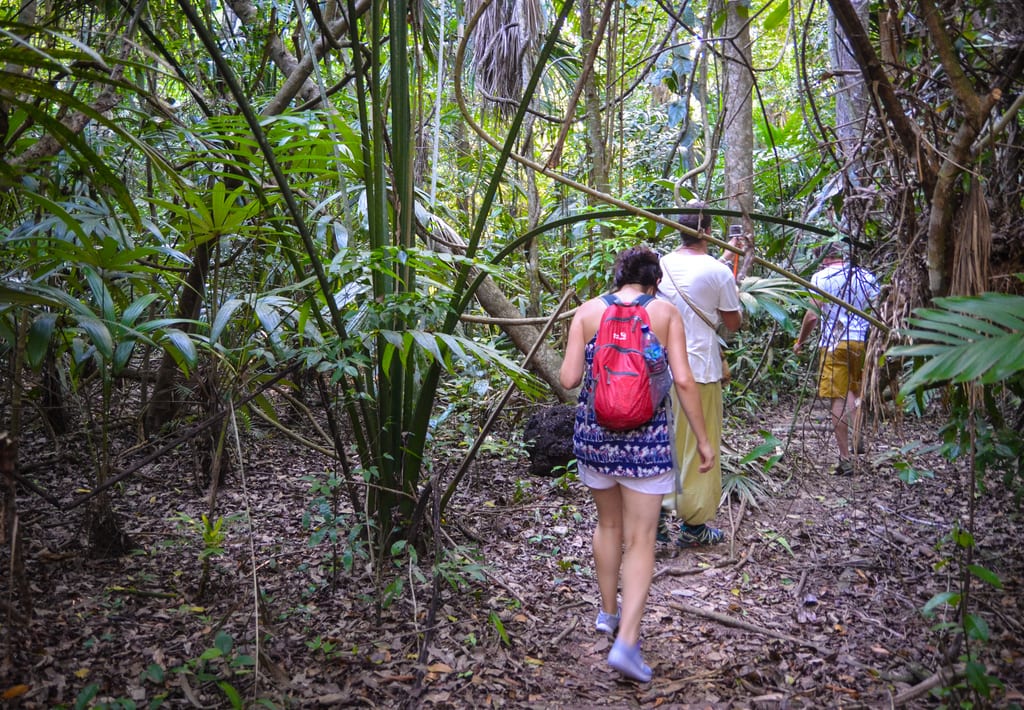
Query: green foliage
x=499, y=627
x=973, y=340
x=218, y=670
x=976, y=686
x=758, y=354
x=460, y=566
x=592, y=262
x=746, y=478
x=976, y=344
x=965, y=339
x=776, y=538
x=344, y=535
x=220, y=666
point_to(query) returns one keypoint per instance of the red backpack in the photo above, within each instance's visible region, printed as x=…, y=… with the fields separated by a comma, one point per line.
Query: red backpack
x=621, y=396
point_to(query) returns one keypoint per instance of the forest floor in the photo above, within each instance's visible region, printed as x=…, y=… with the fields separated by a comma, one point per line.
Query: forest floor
x=813, y=601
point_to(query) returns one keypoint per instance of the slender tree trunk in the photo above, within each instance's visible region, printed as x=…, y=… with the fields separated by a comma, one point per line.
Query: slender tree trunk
x=738, y=136
x=596, y=142
x=533, y=206
x=163, y=404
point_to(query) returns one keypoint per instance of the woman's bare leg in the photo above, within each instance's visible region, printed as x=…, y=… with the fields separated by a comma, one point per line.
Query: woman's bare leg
x=639, y=528
x=608, y=545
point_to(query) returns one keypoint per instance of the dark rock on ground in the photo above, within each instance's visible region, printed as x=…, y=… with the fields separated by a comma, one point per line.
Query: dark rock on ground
x=548, y=437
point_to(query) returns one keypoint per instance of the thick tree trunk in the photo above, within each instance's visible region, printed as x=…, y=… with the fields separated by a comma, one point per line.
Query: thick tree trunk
x=890, y=107
x=852, y=102
x=546, y=362
x=959, y=157
x=853, y=105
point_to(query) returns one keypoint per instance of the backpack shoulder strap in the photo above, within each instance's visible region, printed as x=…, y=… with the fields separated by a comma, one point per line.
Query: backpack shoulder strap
x=642, y=300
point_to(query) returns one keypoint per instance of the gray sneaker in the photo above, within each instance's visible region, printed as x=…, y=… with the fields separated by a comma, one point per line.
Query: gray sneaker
x=607, y=623
x=628, y=661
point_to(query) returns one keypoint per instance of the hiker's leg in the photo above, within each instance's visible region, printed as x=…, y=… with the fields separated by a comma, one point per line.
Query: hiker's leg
x=840, y=425
x=639, y=526
x=608, y=544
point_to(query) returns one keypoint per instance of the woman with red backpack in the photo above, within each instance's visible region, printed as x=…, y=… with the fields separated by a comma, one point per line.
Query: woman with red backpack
x=629, y=470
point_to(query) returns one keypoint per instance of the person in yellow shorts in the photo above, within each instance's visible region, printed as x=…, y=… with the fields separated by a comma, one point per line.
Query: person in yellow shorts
x=841, y=342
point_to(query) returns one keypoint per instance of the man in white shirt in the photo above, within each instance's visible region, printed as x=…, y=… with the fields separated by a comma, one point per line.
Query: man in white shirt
x=841, y=343
x=692, y=279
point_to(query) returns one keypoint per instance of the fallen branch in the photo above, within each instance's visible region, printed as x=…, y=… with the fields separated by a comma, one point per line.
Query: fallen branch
x=143, y=592
x=726, y=620
x=557, y=641
x=685, y=572
x=940, y=678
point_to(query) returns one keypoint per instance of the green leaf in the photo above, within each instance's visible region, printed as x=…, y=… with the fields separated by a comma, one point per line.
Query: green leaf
x=224, y=314
x=137, y=308
x=100, y=336
x=965, y=339
x=499, y=627
x=223, y=641
x=39, y=336
x=976, y=628
x=233, y=695
x=777, y=16
x=986, y=575
x=122, y=354
x=154, y=672
x=210, y=653
x=180, y=345
x=100, y=293
x=978, y=678
x=767, y=448
x=268, y=315
x=266, y=407
x=951, y=598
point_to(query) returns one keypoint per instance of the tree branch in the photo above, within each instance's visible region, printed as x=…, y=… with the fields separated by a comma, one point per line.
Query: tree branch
x=871, y=66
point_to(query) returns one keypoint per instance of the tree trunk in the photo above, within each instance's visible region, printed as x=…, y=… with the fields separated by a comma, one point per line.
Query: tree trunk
x=546, y=363
x=246, y=11
x=738, y=135
x=596, y=145
x=852, y=103
x=889, y=106
x=163, y=405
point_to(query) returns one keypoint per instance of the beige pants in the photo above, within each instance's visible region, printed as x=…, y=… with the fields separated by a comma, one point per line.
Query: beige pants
x=697, y=494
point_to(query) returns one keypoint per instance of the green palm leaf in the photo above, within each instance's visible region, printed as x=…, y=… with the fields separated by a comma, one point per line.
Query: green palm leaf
x=965, y=339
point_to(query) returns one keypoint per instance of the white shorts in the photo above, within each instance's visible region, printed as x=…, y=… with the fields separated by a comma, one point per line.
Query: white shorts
x=659, y=485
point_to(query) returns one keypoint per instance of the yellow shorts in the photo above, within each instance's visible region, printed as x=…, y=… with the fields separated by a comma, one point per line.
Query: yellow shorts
x=840, y=370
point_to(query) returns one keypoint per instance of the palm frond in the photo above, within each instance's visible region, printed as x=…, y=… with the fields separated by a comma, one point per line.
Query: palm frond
x=965, y=339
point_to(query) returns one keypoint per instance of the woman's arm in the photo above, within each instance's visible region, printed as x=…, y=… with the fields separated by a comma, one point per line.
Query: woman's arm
x=574, y=361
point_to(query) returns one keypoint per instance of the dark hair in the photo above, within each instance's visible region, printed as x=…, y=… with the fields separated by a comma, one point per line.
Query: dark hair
x=637, y=265
x=830, y=250
x=697, y=221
